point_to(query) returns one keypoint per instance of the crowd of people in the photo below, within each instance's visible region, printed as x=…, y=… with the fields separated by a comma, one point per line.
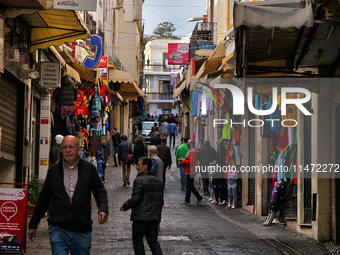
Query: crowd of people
x=68, y=232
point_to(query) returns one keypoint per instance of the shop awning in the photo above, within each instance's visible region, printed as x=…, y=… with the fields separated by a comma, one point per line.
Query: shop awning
x=283, y=14
x=86, y=75
x=130, y=89
x=267, y=33
x=179, y=89
x=210, y=65
x=116, y=94
x=55, y=27
x=68, y=70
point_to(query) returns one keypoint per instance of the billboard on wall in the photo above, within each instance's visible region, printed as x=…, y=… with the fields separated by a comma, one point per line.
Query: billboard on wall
x=178, y=53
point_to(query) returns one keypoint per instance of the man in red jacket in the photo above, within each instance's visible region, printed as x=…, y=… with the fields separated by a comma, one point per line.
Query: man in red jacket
x=191, y=161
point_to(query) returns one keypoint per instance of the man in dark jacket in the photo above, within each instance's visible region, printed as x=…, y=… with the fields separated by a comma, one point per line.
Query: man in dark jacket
x=116, y=140
x=146, y=203
x=125, y=148
x=164, y=154
x=156, y=139
x=67, y=192
x=206, y=155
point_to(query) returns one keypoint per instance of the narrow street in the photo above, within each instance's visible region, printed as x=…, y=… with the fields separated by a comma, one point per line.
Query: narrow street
x=203, y=229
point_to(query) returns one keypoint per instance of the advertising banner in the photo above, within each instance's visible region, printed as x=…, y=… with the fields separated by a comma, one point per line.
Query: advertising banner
x=178, y=53
x=13, y=204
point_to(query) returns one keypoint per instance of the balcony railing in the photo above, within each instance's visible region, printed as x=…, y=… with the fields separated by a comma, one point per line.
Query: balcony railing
x=203, y=37
x=159, y=96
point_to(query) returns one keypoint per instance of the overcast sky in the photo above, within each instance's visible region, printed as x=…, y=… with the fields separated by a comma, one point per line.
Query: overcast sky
x=175, y=11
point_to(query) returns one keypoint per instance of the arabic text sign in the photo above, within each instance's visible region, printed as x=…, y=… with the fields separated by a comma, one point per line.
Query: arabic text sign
x=50, y=74
x=178, y=53
x=13, y=203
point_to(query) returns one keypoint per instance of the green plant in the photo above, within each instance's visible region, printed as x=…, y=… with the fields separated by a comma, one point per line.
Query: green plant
x=34, y=188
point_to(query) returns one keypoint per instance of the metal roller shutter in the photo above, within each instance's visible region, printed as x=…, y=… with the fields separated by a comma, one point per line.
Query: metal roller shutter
x=251, y=162
x=9, y=115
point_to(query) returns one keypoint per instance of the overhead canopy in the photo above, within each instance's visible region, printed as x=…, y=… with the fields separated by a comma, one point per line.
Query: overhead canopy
x=130, y=89
x=86, y=75
x=267, y=34
x=179, y=89
x=210, y=65
x=68, y=70
x=282, y=14
x=55, y=27
x=116, y=94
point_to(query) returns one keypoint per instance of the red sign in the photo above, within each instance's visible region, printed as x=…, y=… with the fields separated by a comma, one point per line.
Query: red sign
x=13, y=204
x=178, y=53
x=102, y=63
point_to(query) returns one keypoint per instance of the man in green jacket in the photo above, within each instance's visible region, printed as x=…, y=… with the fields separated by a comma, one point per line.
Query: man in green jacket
x=182, y=152
x=67, y=192
x=146, y=203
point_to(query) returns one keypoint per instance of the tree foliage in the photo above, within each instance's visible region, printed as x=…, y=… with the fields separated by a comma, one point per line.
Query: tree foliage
x=165, y=30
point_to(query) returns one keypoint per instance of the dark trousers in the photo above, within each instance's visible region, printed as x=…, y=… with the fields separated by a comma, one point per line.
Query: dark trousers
x=206, y=182
x=191, y=188
x=220, y=189
x=172, y=136
x=150, y=231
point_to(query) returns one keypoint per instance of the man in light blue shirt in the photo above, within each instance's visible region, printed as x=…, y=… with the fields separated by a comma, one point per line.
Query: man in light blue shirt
x=173, y=132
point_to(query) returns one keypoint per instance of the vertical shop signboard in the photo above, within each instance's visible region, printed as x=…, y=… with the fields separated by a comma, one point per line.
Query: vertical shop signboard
x=102, y=67
x=13, y=205
x=44, y=135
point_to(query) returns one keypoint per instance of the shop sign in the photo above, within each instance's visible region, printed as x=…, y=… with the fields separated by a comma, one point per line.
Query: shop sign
x=77, y=5
x=45, y=127
x=13, y=204
x=2, y=42
x=92, y=61
x=102, y=67
x=50, y=75
x=178, y=53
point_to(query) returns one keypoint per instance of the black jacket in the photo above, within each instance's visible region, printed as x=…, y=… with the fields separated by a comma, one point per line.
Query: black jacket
x=116, y=140
x=206, y=155
x=156, y=140
x=146, y=199
x=70, y=215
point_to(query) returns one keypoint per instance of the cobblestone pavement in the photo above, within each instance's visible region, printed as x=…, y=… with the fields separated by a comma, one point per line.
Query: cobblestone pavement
x=196, y=229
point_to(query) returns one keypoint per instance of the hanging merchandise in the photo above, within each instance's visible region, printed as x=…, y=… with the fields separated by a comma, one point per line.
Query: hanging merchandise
x=282, y=139
x=139, y=106
x=65, y=96
x=226, y=128
x=290, y=119
x=267, y=132
x=95, y=113
x=104, y=94
x=275, y=126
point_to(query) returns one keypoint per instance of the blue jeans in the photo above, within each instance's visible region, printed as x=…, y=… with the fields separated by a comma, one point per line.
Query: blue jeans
x=106, y=149
x=182, y=168
x=172, y=135
x=232, y=196
x=114, y=152
x=63, y=241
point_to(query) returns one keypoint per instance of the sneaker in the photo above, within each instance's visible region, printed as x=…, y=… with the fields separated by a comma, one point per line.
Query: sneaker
x=213, y=201
x=115, y=166
x=228, y=206
x=107, y=164
x=185, y=203
x=210, y=199
x=124, y=185
x=222, y=203
x=127, y=181
x=205, y=193
x=200, y=201
x=105, y=181
x=233, y=207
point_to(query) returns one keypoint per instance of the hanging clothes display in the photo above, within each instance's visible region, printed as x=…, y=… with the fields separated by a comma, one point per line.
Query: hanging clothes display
x=226, y=128
x=282, y=139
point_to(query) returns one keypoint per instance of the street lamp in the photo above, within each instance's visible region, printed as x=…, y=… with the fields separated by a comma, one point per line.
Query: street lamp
x=192, y=19
x=116, y=8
